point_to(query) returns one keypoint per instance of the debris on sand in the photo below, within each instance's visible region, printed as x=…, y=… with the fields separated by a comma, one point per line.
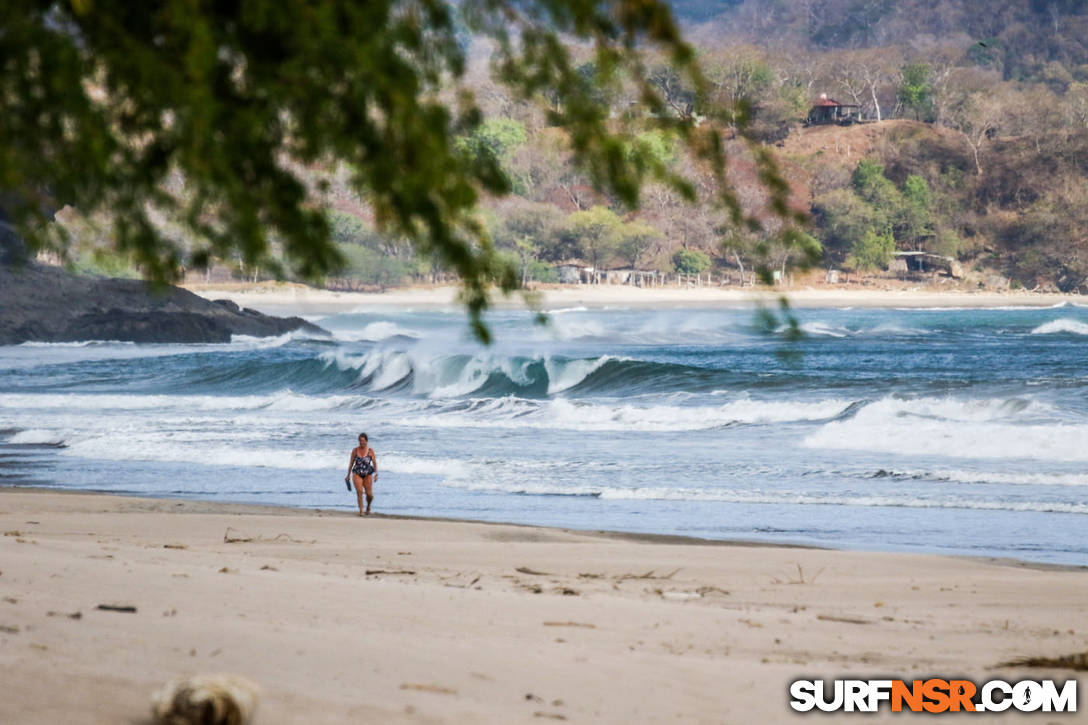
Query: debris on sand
x=69, y=615
x=422, y=687
x=1077, y=661
x=127, y=608
x=209, y=699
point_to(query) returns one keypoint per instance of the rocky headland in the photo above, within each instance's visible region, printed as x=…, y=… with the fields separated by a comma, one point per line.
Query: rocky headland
x=40, y=303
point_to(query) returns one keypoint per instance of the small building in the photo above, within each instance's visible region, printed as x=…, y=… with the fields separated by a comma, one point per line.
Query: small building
x=616, y=276
x=828, y=111
x=575, y=271
x=569, y=273
x=925, y=262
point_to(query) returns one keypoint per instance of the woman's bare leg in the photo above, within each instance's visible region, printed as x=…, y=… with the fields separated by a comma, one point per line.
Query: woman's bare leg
x=368, y=484
x=360, y=487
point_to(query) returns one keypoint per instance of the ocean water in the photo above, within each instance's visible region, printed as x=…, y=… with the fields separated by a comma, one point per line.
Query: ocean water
x=958, y=431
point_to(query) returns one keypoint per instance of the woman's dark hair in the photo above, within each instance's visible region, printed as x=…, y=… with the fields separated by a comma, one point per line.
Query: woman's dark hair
x=364, y=435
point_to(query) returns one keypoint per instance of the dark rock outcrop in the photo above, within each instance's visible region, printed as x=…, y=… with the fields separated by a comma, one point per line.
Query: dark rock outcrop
x=48, y=304
x=12, y=249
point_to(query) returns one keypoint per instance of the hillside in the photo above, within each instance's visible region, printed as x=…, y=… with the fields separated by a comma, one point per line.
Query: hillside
x=973, y=149
x=1022, y=217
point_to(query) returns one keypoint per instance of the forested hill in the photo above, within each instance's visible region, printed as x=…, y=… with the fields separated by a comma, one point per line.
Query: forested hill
x=972, y=144
x=1019, y=38
x=997, y=166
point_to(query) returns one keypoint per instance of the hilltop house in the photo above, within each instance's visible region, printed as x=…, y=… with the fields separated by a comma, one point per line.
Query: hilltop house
x=828, y=111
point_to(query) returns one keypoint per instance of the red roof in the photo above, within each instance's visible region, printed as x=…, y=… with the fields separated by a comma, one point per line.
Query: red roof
x=826, y=102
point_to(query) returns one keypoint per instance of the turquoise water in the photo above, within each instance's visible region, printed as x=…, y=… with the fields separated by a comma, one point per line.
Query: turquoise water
x=952, y=431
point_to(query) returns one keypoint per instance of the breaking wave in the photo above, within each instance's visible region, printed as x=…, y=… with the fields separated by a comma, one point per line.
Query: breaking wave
x=1063, y=325
x=1013, y=428
x=452, y=376
x=563, y=414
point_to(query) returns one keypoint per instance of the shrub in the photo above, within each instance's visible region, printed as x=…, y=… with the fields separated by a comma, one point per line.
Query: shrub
x=873, y=251
x=691, y=261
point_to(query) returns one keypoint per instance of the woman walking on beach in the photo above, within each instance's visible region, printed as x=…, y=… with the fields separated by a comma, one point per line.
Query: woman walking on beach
x=363, y=471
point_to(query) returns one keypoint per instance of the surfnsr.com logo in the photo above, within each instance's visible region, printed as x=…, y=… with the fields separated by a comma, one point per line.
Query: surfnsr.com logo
x=933, y=696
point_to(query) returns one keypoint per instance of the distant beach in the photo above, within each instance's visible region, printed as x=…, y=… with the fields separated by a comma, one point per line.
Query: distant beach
x=392, y=620
x=273, y=297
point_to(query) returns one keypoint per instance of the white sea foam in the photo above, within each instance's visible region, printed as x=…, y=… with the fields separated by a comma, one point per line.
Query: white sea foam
x=83, y=343
x=575, y=328
x=288, y=401
x=376, y=332
x=1003, y=478
x=1063, y=325
x=564, y=414
x=80, y=402
x=953, y=428
x=664, y=331
x=821, y=329
x=650, y=493
x=205, y=447
x=37, y=436
x=163, y=449
x=449, y=468
x=284, y=400
x=250, y=342
x=624, y=417
x=889, y=328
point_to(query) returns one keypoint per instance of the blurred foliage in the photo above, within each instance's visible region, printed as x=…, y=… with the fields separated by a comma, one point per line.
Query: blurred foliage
x=372, y=267
x=349, y=229
x=105, y=263
x=208, y=113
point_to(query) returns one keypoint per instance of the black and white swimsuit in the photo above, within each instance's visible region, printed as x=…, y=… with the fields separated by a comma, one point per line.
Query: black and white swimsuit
x=363, y=466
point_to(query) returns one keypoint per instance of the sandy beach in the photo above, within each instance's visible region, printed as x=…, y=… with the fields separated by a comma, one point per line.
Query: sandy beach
x=345, y=619
x=284, y=298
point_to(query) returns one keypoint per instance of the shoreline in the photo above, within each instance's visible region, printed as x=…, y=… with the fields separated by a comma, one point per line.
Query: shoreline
x=403, y=620
x=607, y=534
x=309, y=300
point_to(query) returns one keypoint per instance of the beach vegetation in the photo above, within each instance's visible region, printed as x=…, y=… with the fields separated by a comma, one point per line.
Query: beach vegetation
x=872, y=251
x=691, y=261
x=634, y=240
x=371, y=267
x=593, y=233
